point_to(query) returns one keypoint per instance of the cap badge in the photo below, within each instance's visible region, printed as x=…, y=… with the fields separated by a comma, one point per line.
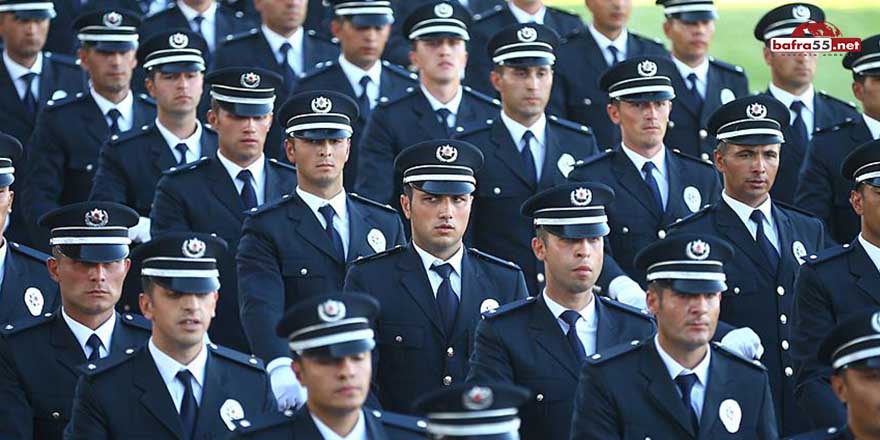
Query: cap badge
x=447, y=153
x=178, y=40
x=478, y=398
x=581, y=197
x=800, y=12
x=112, y=19
x=697, y=250
x=322, y=105
x=443, y=10
x=331, y=310
x=250, y=80
x=97, y=218
x=756, y=111
x=193, y=248
x=875, y=322
x=647, y=68
x=527, y=34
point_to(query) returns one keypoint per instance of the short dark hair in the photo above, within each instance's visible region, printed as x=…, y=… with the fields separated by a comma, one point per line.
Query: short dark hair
x=542, y=234
x=858, y=77
x=721, y=147
x=408, y=191
x=147, y=284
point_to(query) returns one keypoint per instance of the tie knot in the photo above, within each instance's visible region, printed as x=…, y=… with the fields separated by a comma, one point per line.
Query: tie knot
x=757, y=216
x=182, y=148
x=28, y=77
x=613, y=49
x=796, y=106
x=528, y=136
x=327, y=212
x=648, y=167
x=686, y=382
x=570, y=317
x=444, y=270
x=114, y=114
x=245, y=175
x=198, y=19
x=94, y=342
x=692, y=77
x=365, y=80
x=184, y=376
x=444, y=114
x=285, y=47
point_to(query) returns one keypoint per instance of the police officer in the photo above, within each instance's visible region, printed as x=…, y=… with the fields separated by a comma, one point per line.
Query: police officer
x=362, y=28
x=653, y=184
x=772, y=239
x=212, y=194
x=475, y=410
x=438, y=33
x=541, y=342
x=489, y=22
x=676, y=384
x=331, y=337
x=821, y=189
x=69, y=133
x=300, y=245
x=834, y=284
x=598, y=46
x=177, y=386
x=792, y=83
x=40, y=356
x=432, y=290
x=527, y=150
x=704, y=82
x=26, y=289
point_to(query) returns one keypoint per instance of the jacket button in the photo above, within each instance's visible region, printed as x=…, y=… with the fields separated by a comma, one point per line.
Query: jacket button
x=789, y=371
x=780, y=290
x=784, y=344
x=705, y=156
x=736, y=290
x=783, y=319
x=588, y=101
x=539, y=397
x=671, y=124
x=303, y=271
x=703, y=133
x=90, y=167
x=661, y=234
x=398, y=339
x=625, y=230
x=447, y=380
x=55, y=415
x=540, y=278
x=450, y=352
x=496, y=190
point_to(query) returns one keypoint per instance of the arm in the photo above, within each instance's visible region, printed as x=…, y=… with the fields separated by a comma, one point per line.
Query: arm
x=16, y=414
x=169, y=211
x=490, y=361
x=87, y=421
x=400, y=235
x=521, y=290
x=767, y=418
x=595, y=415
x=47, y=160
x=110, y=184
x=375, y=177
x=814, y=184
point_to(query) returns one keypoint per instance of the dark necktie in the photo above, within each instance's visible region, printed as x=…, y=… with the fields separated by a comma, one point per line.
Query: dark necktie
x=364, y=99
x=248, y=194
x=114, y=120
x=528, y=159
x=648, y=168
x=289, y=74
x=328, y=212
x=571, y=318
x=29, y=101
x=447, y=300
x=798, y=127
x=694, y=93
x=94, y=342
x=188, y=405
x=765, y=245
x=615, y=54
x=181, y=148
x=685, y=384
x=443, y=115
x=197, y=24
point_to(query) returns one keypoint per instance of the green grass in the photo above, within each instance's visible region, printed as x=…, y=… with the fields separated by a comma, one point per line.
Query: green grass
x=735, y=44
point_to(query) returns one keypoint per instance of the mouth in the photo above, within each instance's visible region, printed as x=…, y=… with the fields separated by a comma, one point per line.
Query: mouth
x=445, y=228
x=98, y=292
x=582, y=269
x=348, y=391
x=190, y=323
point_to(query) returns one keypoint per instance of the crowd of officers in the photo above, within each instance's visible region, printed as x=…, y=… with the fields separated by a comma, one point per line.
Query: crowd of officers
x=430, y=219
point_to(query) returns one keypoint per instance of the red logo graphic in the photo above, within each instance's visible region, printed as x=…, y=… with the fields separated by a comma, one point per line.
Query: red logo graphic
x=816, y=29
x=815, y=37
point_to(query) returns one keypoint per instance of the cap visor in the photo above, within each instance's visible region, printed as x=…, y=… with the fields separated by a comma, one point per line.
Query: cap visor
x=96, y=253
x=526, y=62
x=578, y=231
x=649, y=97
x=190, y=285
x=180, y=67
x=114, y=46
x=446, y=188
x=697, y=287
x=370, y=20
x=246, y=110
x=755, y=139
x=322, y=133
x=693, y=17
x=868, y=364
x=439, y=35
x=342, y=349
x=6, y=180
x=42, y=14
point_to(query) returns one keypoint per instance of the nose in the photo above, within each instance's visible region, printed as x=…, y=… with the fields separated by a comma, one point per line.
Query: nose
x=582, y=248
x=98, y=272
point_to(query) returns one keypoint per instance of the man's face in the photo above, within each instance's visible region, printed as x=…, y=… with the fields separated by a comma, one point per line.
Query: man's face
x=570, y=265
x=791, y=70
x=23, y=37
x=109, y=71
x=686, y=321
x=336, y=385
x=241, y=138
x=179, y=319
x=865, y=200
x=524, y=91
x=88, y=288
x=361, y=45
x=282, y=16
x=6, y=196
x=690, y=39
x=642, y=124
x=318, y=162
x=749, y=171
x=176, y=93
x=859, y=390
x=440, y=60
x=868, y=92
x=610, y=14
x=438, y=222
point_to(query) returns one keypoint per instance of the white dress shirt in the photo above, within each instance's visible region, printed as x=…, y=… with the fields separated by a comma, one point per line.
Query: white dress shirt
x=258, y=175
x=808, y=113
x=702, y=72
x=434, y=278
x=873, y=126
x=354, y=75
x=524, y=17
x=208, y=24
x=660, y=172
x=294, y=55
x=339, y=202
x=168, y=369
x=872, y=251
x=587, y=327
x=744, y=212
x=603, y=42
x=82, y=334
x=193, y=142
x=539, y=142
x=698, y=392
x=125, y=107
x=359, y=432
x=17, y=70
x=452, y=105
x=3, y=251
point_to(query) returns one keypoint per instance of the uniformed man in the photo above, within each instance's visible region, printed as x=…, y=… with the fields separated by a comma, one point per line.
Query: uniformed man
x=39, y=357
x=676, y=384
x=601, y=44
x=653, y=184
x=821, y=189
x=527, y=150
x=362, y=28
x=792, y=83
x=26, y=290
x=541, y=342
x=438, y=33
x=212, y=194
x=835, y=284
x=331, y=337
x=300, y=245
x=704, y=82
x=489, y=22
x=475, y=411
x=432, y=290
x=177, y=386
x=772, y=239
x=69, y=133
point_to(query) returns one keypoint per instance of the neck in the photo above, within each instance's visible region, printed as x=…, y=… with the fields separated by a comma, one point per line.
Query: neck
x=240, y=160
x=184, y=354
x=286, y=33
x=442, y=92
x=441, y=253
x=324, y=192
x=526, y=120
x=610, y=33
x=752, y=202
x=688, y=357
x=182, y=126
x=88, y=320
x=794, y=89
x=691, y=61
x=570, y=300
x=875, y=115
x=198, y=5
x=858, y=433
x=647, y=152
x=341, y=422
x=24, y=60
x=532, y=7
x=114, y=97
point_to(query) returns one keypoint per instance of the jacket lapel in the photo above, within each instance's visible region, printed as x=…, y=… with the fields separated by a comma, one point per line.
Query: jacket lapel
x=11, y=290
x=550, y=174
x=415, y=281
x=861, y=134
x=631, y=180
x=375, y=430
x=276, y=186
x=787, y=264
x=731, y=227
x=161, y=151
x=66, y=348
x=213, y=396
x=595, y=56
x=144, y=114
x=662, y=390
x=506, y=151
x=674, y=173
x=548, y=335
x=606, y=330
x=428, y=122
x=94, y=122
x=154, y=394
x=123, y=339
x=304, y=426
x=715, y=392
x=208, y=142
x=863, y=270
x=474, y=286
x=713, y=94
x=679, y=84
x=11, y=102
x=224, y=189
x=358, y=227
x=309, y=228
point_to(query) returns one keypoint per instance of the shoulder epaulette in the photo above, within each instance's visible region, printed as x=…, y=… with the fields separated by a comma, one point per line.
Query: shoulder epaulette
x=594, y=158
x=493, y=259
x=788, y=207
x=371, y=202
x=137, y=321
x=571, y=125
x=819, y=434
x=692, y=158
x=208, y=127
x=242, y=35
x=754, y=363
x=318, y=69
x=468, y=128
x=378, y=255
x=62, y=58
x=58, y=103
x=410, y=91
x=616, y=351
x=727, y=66
x=828, y=254
x=690, y=217
x=641, y=313
x=187, y=167
x=311, y=33
x=498, y=311
x=146, y=99
x=239, y=357
x=268, y=206
x=482, y=96
x=262, y=421
x=108, y=363
x=565, y=11
x=30, y=252
x=282, y=165
x=849, y=104
x=480, y=16
x=130, y=134
x=651, y=40
x=400, y=70
x=836, y=127
x=22, y=324
x=401, y=421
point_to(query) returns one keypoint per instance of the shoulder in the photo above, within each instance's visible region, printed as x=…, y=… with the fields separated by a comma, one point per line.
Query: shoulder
x=840, y=127
x=580, y=129
x=29, y=252
x=371, y=204
x=617, y=352
x=26, y=325
x=653, y=44
x=68, y=102
x=722, y=350
x=409, y=94
x=188, y=168
x=602, y=157
x=125, y=136
x=819, y=434
x=738, y=70
x=693, y=161
x=268, y=206
x=262, y=422
x=251, y=34
x=163, y=14
x=137, y=322
x=643, y=314
x=797, y=213
x=849, y=105
x=507, y=309
x=827, y=255
x=96, y=368
x=317, y=71
x=321, y=39
x=379, y=256
x=279, y=165
x=481, y=97
x=144, y=99
x=399, y=421
x=236, y=357
x=62, y=59
x=564, y=12
x=469, y=128
x=489, y=13
x=493, y=260
x=400, y=71
x=702, y=213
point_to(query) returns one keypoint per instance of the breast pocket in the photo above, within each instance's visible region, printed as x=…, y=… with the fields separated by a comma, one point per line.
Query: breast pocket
x=305, y=277
x=51, y=414
x=550, y=397
x=400, y=347
x=78, y=178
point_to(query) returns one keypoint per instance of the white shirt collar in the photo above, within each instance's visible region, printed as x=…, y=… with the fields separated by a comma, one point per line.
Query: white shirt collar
x=168, y=367
x=872, y=251
x=125, y=107
x=82, y=333
x=355, y=73
x=604, y=42
x=873, y=126
x=452, y=105
x=276, y=40
x=190, y=13
x=17, y=70
x=428, y=260
x=787, y=98
x=338, y=202
x=517, y=130
x=359, y=432
x=638, y=160
x=192, y=142
x=675, y=369
x=744, y=212
x=233, y=169
x=524, y=17
x=702, y=71
x=588, y=313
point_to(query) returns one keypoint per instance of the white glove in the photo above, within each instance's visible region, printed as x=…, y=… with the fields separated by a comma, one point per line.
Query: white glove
x=288, y=392
x=140, y=233
x=627, y=291
x=745, y=342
